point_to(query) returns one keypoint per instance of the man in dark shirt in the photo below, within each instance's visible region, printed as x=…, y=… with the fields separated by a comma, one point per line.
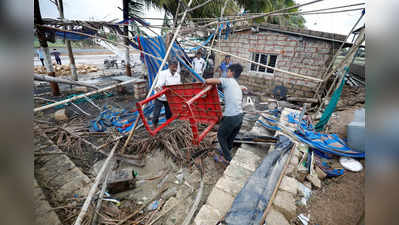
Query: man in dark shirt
x=57, y=56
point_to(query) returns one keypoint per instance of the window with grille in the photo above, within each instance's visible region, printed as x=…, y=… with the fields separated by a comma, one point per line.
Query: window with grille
x=265, y=59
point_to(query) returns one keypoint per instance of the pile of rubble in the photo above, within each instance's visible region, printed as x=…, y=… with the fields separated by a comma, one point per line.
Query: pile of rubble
x=64, y=70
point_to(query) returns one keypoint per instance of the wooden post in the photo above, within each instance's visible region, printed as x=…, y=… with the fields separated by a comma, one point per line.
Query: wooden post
x=126, y=31
x=43, y=45
x=60, y=6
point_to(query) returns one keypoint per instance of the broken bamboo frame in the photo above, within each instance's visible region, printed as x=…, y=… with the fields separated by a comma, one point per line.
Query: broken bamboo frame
x=93, y=188
x=259, y=64
x=156, y=77
x=277, y=186
x=60, y=80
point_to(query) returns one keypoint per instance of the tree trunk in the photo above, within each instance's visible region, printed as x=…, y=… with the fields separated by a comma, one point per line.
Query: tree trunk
x=126, y=32
x=43, y=44
x=60, y=6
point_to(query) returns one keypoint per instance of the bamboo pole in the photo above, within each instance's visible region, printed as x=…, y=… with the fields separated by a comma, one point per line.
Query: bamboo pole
x=259, y=16
x=335, y=56
x=59, y=80
x=105, y=39
x=82, y=96
x=250, y=61
x=93, y=188
x=348, y=60
x=196, y=7
x=156, y=78
x=197, y=200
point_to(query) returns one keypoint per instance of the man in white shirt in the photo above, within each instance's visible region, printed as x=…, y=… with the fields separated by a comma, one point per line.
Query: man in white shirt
x=198, y=64
x=166, y=77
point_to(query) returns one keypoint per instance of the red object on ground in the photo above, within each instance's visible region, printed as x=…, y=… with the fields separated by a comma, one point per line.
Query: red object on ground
x=191, y=102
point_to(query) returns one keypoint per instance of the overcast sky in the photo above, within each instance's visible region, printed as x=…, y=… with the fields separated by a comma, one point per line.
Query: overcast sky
x=340, y=23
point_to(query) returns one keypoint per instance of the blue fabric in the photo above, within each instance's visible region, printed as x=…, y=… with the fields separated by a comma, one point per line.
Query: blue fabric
x=203, y=43
x=307, y=136
x=74, y=36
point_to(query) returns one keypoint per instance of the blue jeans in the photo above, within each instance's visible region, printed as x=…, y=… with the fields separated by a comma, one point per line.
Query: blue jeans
x=157, y=111
x=228, y=130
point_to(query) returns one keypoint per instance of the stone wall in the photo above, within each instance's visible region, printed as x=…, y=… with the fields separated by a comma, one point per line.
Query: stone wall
x=303, y=55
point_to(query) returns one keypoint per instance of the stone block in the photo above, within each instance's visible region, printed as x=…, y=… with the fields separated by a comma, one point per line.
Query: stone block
x=231, y=185
x=237, y=171
x=220, y=200
x=207, y=215
x=290, y=170
x=285, y=203
x=246, y=159
x=60, y=115
x=289, y=184
x=314, y=180
x=274, y=217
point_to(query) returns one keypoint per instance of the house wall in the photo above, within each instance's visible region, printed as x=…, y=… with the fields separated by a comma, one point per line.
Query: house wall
x=306, y=56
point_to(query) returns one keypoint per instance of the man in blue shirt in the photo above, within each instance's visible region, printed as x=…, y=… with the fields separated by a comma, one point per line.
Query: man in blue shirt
x=40, y=56
x=222, y=69
x=233, y=114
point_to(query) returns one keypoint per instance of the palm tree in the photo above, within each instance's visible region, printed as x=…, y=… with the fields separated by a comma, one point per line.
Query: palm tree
x=256, y=6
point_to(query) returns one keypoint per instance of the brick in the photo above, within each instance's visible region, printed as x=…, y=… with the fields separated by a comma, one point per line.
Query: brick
x=220, y=200
x=285, y=203
x=323, y=50
x=207, y=215
x=289, y=184
x=274, y=217
x=310, y=49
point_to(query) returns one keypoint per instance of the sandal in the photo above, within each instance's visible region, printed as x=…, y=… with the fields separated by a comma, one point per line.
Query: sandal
x=219, y=158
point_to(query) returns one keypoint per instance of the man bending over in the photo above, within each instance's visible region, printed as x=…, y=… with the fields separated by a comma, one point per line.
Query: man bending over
x=232, y=116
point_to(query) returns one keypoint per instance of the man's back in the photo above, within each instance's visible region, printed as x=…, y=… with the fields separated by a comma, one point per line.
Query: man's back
x=232, y=97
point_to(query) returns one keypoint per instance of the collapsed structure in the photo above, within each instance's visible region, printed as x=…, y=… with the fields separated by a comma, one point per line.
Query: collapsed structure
x=272, y=56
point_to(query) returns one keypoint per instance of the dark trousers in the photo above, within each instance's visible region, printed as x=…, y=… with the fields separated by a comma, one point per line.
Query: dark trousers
x=58, y=60
x=157, y=111
x=228, y=130
x=42, y=60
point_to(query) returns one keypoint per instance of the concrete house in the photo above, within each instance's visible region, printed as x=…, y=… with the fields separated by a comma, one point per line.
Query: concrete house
x=296, y=50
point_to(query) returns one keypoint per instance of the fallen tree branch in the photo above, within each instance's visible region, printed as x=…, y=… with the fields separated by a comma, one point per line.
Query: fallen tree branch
x=60, y=80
